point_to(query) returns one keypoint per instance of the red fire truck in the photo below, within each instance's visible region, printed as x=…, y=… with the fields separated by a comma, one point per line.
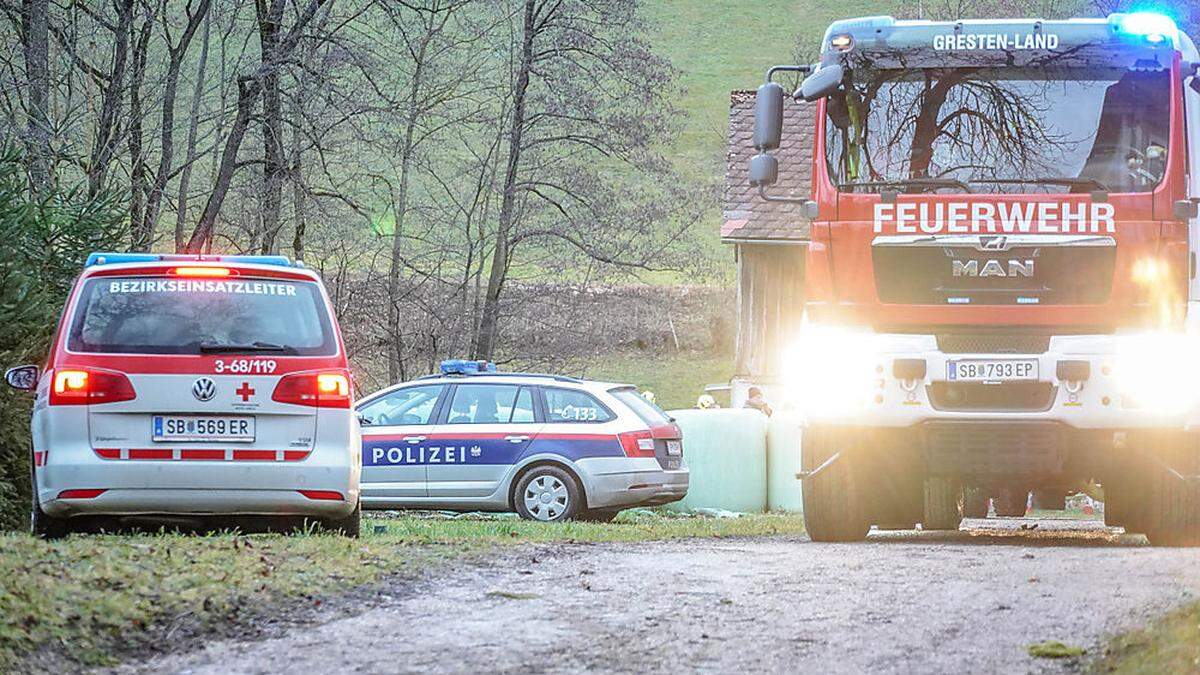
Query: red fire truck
x=1001, y=277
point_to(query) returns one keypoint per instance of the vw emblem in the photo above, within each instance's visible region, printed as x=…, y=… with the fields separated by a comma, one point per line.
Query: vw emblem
x=204, y=389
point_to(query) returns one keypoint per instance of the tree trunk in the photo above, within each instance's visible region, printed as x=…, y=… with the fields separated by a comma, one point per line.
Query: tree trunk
x=193, y=124
x=485, y=345
x=35, y=14
x=269, y=20
x=137, y=170
x=105, y=144
x=297, y=173
x=167, y=135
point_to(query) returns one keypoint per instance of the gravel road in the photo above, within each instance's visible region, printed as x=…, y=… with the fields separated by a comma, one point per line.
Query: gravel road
x=907, y=602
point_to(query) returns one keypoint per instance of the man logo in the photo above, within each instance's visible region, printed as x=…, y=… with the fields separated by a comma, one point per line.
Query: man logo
x=204, y=389
x=992, y=268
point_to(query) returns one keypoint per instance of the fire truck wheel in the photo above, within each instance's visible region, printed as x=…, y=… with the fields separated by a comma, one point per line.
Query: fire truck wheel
x=1011, y=502
x=942, y=495
x=975, y=502
x=835, y=498
x=1172, y=516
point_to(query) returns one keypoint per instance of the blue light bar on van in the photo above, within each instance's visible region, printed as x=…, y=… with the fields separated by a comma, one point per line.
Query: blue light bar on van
x=119, y=258
x=1153, y=26
x=466, y=367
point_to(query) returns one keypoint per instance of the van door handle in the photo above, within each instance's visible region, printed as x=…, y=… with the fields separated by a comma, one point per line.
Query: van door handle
x=516, y=439
x=413, y=439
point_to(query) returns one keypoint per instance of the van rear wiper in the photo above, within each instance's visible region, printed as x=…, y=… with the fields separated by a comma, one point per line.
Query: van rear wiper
x=257, y=346
x=1080, y=182
x=927, y=183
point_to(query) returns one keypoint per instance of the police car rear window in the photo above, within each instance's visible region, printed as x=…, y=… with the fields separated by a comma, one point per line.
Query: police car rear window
x=651, y=414
x=152, y=315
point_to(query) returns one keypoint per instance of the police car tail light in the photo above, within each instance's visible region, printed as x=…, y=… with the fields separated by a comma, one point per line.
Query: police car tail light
x=201, y=271
x=637, y=443
x=316, y=389
x=90, y=387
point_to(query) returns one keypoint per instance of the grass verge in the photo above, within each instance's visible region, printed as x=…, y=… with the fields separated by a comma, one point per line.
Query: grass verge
x=87, y=600
x=1169, y=645
x=676, y=379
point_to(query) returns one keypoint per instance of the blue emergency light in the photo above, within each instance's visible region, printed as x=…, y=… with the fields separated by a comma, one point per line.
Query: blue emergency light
x=1152, y=26
x=119, y=258
x=467, y=367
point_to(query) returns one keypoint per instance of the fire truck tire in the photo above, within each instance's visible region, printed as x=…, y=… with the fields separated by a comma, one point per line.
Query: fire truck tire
x=1172, y=515
x=834, y=499
x=1011, y=502
x=942, y=495
x=976, y=502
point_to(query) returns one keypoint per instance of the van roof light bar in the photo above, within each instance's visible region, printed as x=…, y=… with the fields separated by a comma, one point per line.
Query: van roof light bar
x=108, y=258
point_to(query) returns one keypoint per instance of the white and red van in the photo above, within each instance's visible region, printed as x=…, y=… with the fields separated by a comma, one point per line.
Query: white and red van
x=193, y=388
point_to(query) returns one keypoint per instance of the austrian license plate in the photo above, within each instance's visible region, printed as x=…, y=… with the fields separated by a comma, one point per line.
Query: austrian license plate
x=992, y=370
x=202, y=428
x=674, y=448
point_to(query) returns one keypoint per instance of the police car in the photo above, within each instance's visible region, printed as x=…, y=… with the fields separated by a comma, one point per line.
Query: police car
x=551, y=448
x=195, y=387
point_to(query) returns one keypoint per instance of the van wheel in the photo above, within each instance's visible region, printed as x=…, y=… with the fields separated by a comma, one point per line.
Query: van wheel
x=834, y=500
x=349, y=525
x=41, y=525
x=942, y=494
x=598, y=515
x=548, y=494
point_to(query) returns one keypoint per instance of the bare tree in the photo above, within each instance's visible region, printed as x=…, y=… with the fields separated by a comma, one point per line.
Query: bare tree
x=36, y=47
x=185, y=175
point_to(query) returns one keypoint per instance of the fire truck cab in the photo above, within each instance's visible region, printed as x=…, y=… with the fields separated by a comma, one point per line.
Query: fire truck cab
x=1001, y=280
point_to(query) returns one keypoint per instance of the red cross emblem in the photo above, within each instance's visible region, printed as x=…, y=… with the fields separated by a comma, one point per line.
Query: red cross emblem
x=245, y=392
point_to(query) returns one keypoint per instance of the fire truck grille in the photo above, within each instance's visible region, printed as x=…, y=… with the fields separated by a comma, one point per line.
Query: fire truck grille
x=979, y=343
x=982, y=448
x=980, y=397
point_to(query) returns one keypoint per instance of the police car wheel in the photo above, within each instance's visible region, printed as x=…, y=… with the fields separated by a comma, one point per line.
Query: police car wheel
x=40, y=524
x=548, y=494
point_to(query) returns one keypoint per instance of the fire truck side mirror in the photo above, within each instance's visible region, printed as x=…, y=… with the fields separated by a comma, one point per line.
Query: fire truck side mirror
x=1186, y=210
x=823, y=82
x=768, y=117
x=764, y=170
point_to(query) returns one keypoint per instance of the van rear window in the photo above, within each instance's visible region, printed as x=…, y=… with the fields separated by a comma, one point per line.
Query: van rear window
x=156, y=315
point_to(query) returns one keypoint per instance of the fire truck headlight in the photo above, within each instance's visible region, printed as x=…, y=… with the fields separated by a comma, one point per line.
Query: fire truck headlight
x=830, y=371
x=1158, y=372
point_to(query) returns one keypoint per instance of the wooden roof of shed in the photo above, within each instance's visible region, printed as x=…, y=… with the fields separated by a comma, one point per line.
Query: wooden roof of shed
x=746, y=216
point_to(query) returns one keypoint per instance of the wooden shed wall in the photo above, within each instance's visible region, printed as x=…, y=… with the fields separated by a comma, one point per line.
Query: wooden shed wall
x=770, y=304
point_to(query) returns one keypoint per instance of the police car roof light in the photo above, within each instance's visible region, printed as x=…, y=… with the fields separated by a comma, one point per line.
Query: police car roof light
x=1153, y=26
x=103, y=258
x=467, y=367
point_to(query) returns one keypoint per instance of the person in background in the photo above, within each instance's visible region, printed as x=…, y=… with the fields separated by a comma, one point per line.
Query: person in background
x=648, y=395
x=757, y=401
x=706, y=402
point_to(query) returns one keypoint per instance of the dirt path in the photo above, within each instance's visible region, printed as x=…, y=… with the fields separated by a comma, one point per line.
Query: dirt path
x=904, y=602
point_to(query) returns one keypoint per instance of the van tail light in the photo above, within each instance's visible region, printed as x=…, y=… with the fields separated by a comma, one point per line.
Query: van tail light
x=318, y=389
x=90, y=387
x=637, y=443
x=90, y=493
x=323, y=495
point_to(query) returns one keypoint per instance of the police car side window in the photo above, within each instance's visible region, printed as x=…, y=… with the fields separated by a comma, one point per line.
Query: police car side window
x=410, y=405
x=523, y=410
x=568, y=405
x=482, y=404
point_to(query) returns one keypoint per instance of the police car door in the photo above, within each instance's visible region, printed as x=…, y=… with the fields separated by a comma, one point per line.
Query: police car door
x=395, y=429
x=486, y=429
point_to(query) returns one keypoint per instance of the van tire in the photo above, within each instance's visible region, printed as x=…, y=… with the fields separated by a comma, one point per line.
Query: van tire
x=349, y=525
x=834, y=500
x=942, y=495
x=41, y=525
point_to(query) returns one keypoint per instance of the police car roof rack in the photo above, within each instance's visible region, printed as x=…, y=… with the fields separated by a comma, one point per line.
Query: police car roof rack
x=104, y=258
x=557, y=378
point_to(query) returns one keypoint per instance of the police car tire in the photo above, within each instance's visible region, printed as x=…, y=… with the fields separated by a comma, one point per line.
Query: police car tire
x=942, y=494
x=1172, y=506
x=574, y=493
x=348, y=526
x=835, y=500
x=598, y=515
x=40, y=524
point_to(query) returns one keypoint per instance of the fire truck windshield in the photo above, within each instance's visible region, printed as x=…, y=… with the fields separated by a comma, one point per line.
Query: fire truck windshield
x=1007, y=130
